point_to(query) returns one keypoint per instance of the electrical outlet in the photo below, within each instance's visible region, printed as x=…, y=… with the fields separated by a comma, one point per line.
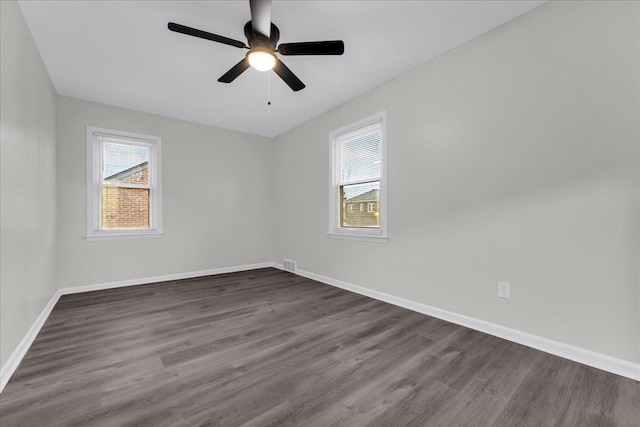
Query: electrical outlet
x=504, y=290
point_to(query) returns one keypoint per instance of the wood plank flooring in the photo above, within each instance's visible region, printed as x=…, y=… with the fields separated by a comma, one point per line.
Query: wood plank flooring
x=268, y=348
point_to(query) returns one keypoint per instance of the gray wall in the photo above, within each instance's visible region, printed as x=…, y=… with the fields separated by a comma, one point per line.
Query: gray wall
x=511, y=158
x=217, y=203
x=27, y=181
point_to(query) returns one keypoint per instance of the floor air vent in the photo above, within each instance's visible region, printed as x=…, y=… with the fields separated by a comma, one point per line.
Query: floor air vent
x=289, y=265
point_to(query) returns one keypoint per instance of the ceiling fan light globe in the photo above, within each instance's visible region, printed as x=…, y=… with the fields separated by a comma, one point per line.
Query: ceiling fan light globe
x=261, y=60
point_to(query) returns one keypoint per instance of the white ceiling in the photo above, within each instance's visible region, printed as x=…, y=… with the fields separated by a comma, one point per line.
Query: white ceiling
x=121, y=53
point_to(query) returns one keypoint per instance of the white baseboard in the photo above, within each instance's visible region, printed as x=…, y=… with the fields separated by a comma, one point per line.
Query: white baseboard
x=614, y=365
x=164, y=278
x=16, y=357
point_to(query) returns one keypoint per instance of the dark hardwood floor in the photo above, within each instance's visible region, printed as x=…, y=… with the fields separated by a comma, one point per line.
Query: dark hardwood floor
x=268, y=348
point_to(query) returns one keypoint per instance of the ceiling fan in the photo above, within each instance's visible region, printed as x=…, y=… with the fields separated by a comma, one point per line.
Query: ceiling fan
x=262, y=36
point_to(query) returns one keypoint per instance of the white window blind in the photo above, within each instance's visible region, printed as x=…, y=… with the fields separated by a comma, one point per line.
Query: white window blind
x=360, y=155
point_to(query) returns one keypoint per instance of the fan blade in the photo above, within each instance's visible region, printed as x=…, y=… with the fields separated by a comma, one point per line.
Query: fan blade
x=261, y=16
x=204, y=35
x=330, y=47
x=287, y=75
x=235, y=71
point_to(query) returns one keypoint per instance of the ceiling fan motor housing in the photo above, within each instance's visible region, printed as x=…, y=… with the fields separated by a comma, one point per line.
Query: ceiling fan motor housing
x=259, y=41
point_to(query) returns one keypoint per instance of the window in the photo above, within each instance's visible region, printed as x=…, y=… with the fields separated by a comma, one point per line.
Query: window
x=358, y=176
x=123, y=184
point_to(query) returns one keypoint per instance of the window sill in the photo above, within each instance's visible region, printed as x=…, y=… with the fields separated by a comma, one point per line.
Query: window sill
x=123, y=235
x=376, y=238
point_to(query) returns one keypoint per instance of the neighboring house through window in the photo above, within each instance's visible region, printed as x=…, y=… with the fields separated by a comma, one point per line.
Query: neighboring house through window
x=124, y=196
x=358, y=177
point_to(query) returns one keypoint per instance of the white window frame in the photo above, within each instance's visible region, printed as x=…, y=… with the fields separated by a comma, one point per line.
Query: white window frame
x=94, y=195
x=371, y=207
x=378, y=235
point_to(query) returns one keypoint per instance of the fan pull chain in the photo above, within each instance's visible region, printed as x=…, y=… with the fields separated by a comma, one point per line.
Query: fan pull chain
x=268, y=88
